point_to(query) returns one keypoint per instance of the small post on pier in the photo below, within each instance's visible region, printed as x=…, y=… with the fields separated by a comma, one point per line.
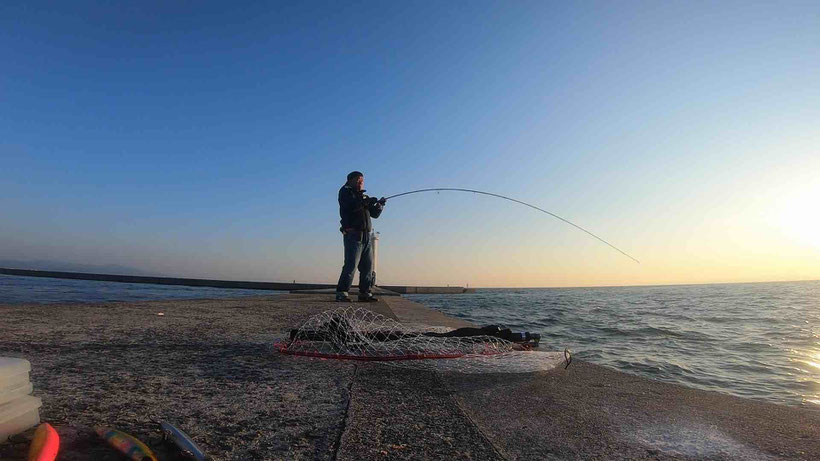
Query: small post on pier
x=374, y=240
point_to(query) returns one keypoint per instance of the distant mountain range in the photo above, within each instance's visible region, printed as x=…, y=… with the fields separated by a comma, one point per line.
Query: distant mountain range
x=62, y=266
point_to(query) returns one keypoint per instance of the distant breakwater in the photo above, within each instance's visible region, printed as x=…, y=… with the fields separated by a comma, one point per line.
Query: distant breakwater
x=278, y=286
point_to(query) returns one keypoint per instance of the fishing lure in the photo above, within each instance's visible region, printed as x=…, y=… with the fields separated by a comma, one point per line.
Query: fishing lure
x=185, y=444
x=127, y=444
x=45, y=445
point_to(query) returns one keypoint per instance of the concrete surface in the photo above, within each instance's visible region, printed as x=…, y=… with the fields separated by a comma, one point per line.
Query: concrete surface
x=378, y=291
x=208, y=366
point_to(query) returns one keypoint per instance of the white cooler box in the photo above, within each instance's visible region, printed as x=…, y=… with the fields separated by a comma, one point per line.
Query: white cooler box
x=18, y=410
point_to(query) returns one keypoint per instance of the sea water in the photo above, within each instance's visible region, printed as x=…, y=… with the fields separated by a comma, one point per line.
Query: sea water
x=37, y=290
x=756, y=340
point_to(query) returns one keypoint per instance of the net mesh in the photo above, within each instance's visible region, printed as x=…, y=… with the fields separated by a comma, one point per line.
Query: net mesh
x=355, y=333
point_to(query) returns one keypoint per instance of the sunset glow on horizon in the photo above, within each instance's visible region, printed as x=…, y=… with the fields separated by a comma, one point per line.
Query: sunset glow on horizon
x=207, y=141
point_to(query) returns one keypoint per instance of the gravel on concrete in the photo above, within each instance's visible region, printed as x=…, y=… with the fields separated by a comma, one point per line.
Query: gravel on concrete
x=208, y=366
x=205, y=365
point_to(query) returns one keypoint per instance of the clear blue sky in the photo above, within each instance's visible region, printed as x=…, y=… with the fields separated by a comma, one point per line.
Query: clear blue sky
x=209, y=139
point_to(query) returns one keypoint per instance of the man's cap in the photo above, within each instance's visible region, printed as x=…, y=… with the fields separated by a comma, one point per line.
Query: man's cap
x=354, y=174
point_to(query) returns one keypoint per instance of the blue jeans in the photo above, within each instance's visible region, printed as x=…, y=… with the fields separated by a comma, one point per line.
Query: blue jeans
x=358, y=252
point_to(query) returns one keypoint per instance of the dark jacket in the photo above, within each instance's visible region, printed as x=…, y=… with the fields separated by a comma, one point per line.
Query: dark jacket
x=356, y=208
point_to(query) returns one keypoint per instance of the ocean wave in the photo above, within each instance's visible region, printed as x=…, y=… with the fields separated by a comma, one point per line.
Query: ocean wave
x=754, y=340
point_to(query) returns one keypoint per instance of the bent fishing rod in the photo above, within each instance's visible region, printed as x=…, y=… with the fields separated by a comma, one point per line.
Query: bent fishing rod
x=453, y=189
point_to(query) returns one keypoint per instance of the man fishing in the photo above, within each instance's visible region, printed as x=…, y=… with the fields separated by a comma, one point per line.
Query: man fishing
x=356, y=209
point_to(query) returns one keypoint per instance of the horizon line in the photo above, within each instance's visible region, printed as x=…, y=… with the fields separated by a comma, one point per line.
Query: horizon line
x=2, y=270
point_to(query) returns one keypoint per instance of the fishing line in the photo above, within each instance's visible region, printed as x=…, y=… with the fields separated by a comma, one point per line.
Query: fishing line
x=522, y=203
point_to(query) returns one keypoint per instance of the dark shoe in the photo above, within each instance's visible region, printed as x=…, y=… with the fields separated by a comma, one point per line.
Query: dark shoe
x=343, y=298
x=368, y=298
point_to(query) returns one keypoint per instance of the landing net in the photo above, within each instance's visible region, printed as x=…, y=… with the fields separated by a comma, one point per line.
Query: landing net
x=355, y=333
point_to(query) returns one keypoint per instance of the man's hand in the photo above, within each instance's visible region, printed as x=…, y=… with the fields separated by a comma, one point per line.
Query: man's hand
x=382, y=201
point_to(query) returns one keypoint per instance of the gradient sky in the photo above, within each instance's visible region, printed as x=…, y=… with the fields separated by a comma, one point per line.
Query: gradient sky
x=210, y=139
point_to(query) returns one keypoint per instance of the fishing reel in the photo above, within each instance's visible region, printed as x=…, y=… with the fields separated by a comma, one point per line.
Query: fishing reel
x=373, y=201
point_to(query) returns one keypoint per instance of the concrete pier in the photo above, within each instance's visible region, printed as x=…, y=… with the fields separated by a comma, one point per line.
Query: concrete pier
x=208, y=366
x=428, y=290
